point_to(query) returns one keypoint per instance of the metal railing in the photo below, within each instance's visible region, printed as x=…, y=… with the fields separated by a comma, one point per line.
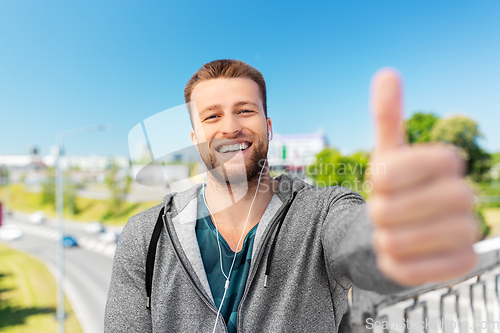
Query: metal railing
x=475, y=298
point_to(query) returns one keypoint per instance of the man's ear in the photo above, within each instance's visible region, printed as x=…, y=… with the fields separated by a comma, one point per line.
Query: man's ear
x=194, y=141
x=270, y=129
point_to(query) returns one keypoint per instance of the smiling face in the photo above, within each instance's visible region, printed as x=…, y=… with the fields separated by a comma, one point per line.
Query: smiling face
x=230, y=128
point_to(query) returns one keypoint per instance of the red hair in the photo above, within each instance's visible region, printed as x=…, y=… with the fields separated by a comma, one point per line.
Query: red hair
x=227, y=68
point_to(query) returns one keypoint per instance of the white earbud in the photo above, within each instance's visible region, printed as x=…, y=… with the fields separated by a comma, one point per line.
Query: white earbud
x=196, y=146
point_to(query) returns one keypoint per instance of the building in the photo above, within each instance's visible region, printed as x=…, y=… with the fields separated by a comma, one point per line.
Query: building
x=24, y=167
x=32, y=168
x=294, y=152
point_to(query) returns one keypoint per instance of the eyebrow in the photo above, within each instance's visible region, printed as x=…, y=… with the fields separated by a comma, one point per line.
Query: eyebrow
x=217, y=106
x=245, y=103
x=210, y=108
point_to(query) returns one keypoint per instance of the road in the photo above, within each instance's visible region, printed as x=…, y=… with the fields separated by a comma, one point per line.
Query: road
x=88, y=266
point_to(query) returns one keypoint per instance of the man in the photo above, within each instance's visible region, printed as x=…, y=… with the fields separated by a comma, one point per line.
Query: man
x=251, y=253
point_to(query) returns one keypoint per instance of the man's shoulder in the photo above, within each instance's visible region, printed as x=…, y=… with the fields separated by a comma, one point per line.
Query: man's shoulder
x=141, y=225
x=145, y=221
x=308, y=193
x=146, y=215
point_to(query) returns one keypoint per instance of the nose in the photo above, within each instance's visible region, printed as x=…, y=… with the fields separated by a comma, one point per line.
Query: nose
x=230, y=125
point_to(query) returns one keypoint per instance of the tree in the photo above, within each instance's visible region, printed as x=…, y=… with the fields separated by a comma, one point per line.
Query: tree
x=119, y=187
x=484, y=228
x=495, y=158
x=48, y=196
x=331, y=168
x=464, y=132
x=419, y=127
x=49, y=188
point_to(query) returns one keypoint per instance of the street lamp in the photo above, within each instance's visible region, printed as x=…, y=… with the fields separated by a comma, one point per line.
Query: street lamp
x=61, y=316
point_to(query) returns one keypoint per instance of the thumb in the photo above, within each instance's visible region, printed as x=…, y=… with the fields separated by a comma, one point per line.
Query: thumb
x=387, y=109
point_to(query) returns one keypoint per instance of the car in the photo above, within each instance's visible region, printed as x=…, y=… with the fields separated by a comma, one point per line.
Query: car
x=69, y=241
x=94, y=227
x=10, y=232
x=108, y=236
x=37, y=217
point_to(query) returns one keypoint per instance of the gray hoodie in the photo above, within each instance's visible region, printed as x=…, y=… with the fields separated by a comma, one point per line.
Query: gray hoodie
x=322, y=244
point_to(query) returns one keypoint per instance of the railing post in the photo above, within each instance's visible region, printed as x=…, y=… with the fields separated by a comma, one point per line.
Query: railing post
x=456, y=316
x=496, y=306
x=484, y=311
x=416, y=305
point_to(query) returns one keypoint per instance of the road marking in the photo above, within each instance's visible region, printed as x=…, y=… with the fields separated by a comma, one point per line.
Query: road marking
x=110, y=250
x=99, y=247
x=53, y=236
x=90, y=244
x=82, y=241
x=44, y=233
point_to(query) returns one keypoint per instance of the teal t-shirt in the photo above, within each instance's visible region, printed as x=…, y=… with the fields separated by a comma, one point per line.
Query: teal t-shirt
x=206, y=234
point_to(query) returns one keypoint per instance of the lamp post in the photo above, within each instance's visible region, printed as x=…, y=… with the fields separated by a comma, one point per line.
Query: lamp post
x=61, y=316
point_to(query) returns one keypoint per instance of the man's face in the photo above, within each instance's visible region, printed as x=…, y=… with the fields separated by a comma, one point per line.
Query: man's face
x=230, y=128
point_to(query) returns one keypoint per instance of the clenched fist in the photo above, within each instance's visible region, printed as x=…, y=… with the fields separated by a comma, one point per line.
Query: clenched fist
x=421, y=207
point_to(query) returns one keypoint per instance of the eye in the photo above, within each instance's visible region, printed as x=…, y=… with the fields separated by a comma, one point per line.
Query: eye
x=246, y=111
x=212, y=117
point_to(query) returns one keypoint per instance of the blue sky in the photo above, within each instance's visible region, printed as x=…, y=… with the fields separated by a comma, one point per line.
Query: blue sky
x=67, y=64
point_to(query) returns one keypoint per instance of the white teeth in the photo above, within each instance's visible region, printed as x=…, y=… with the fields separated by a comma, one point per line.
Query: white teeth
x=233, y=148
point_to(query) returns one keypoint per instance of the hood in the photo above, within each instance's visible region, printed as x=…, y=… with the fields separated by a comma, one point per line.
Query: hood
x=177, y=201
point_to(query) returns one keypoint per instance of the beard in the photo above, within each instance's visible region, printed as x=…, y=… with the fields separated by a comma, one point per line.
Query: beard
x=239, y=169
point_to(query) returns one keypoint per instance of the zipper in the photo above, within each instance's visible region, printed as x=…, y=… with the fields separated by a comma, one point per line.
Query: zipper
x=198, y=291
x=278, y=216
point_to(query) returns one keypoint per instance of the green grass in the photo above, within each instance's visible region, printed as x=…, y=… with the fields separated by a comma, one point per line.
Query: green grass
x=28, y=296
x=88, y=210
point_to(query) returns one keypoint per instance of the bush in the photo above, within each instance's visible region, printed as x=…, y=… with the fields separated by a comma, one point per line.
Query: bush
x=484, y=229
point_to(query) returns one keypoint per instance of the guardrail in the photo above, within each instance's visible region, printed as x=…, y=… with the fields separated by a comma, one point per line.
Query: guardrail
x=475, y=302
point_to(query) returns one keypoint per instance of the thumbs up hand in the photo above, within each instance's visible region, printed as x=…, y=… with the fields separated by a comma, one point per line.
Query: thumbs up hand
x=421, y=208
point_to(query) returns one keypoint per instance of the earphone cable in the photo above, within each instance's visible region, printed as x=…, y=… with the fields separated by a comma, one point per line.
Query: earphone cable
x=226, y=286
